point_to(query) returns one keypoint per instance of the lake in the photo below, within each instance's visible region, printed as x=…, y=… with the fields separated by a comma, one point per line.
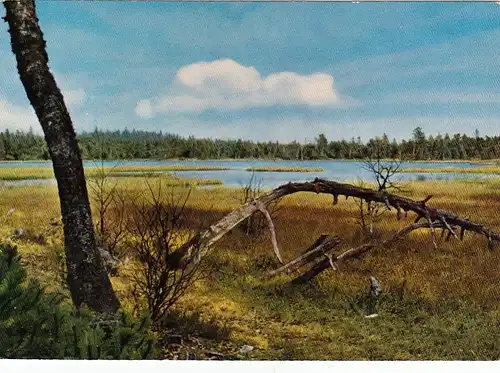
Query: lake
x=342, y=171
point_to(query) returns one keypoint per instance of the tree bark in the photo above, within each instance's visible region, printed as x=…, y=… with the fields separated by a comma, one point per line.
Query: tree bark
x=87, y=279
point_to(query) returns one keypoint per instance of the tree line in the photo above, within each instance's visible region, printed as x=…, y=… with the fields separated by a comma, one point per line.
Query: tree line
x=25, y=145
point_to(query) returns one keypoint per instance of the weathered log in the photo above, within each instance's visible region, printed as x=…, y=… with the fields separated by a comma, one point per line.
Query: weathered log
x=433, y=216
x=316, y=243
x=357, y=252
x=323, y=245
x=312, y=272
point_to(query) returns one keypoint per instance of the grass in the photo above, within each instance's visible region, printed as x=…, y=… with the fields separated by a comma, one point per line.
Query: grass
x=285, y=169
x=180, y=167
x=459, y=170
x=448, y=307
x=32, y=173
x=28, y=173
x=168, y=179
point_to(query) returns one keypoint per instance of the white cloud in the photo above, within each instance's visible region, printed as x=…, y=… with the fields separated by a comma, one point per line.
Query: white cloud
x=74, y=97
x=15, y=117
x=226, y=85
x=144, y=109
x=22, y=117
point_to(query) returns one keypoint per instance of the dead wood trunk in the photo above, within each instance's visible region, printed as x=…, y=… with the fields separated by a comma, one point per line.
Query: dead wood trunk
x=358, y=251
x=87, y=278
x=311, y=273
x=324, y=245
x=435, y=217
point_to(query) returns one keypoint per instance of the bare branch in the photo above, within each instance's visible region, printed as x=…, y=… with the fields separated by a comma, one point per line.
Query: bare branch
x=433, y=231
x=445, y=223
x=262, y=208
x=219, y=229
x=356, y=252
x=321, y=247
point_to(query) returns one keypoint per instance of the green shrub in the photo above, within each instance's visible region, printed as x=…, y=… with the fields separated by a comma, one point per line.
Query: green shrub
x=37, y=325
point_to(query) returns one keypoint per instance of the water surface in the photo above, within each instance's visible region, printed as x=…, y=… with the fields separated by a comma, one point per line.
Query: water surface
x=337, y=170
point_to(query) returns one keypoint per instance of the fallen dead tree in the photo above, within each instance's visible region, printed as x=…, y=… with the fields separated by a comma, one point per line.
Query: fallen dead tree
x=355, y=252
x=435, y=218
x=323, y=246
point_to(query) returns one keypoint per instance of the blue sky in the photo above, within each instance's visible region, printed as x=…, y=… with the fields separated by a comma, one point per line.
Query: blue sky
x=268, y=71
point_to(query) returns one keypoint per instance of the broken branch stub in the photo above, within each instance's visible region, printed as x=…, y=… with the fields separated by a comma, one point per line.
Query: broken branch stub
x=356, y=252
x=323, y=246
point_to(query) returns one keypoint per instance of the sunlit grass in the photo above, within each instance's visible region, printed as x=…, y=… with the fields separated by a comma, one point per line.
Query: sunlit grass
x=436, y=303
x=27, y=173
x=33, y=173
x=459, y=170
x=285, y=169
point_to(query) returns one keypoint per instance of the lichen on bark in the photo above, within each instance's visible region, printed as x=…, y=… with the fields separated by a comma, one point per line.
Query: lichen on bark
x=87, y=279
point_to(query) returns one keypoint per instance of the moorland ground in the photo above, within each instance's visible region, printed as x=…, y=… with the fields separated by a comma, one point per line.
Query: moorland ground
x=436, y=303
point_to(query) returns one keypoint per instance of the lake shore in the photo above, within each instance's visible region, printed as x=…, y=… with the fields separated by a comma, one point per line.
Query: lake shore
x=235, y=174
x=472, y=161
x=476, y=170
x=285, y=169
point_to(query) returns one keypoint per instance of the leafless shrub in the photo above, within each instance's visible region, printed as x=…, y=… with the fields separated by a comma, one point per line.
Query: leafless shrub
x=156, y=227
x=110, y=204
x=384, y=173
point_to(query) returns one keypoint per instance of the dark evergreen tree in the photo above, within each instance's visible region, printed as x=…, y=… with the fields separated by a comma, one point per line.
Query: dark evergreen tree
x=149, y=145
x=38, y=325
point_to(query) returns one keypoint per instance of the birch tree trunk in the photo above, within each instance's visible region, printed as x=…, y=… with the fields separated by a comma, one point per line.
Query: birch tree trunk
x=87, y=279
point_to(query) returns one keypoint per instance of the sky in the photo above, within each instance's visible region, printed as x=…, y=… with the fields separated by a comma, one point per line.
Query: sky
x=267, y=71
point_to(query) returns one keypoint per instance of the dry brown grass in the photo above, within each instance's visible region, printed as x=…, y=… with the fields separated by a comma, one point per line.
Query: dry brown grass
x=285, y=169
x=459, y=170
x=448, y=307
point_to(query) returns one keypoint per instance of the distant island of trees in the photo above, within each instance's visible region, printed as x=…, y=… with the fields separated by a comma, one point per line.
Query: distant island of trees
x=134, y=144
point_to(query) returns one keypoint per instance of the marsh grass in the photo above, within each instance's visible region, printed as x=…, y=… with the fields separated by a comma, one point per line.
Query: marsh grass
x=458, y=170
x=27, y=173
x=285, y=169
x=436, y=303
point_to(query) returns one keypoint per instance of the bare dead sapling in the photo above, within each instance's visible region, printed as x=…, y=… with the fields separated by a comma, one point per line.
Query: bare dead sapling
x=157, y=227
x=384, y=174
x=110, y=204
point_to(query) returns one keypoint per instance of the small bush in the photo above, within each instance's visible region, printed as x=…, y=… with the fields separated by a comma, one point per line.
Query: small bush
x=37, y=325
x=157, y=224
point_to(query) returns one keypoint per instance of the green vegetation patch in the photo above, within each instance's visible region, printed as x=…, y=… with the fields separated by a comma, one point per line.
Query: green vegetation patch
x=31, y=173
x=285, y=169
x=459, y=170
x=158, y=168
x=39, y=325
